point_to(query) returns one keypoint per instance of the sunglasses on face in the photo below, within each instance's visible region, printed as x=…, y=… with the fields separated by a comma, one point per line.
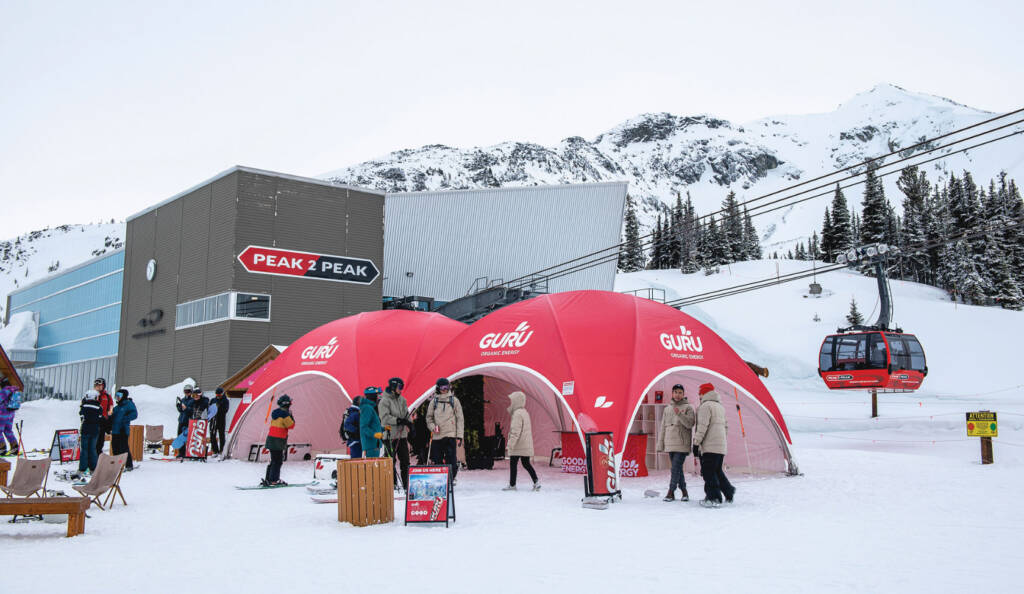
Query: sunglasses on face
x=445, y=388
x=188, y=391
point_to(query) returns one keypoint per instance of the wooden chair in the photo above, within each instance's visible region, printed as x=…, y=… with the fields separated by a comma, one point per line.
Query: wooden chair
x=29, y=479
x=106, y=480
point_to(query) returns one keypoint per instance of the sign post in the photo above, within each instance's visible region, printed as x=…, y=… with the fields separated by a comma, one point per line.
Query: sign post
x=430, y=499
x=983, y=424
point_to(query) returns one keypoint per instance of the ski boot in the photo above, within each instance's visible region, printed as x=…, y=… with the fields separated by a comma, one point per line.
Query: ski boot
x=685, y=496
x=671, y=496
x=279, y=483
x=728, y=498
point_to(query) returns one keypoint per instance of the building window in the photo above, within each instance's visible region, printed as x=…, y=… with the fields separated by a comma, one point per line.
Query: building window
x=226, y=306
x=251, y=306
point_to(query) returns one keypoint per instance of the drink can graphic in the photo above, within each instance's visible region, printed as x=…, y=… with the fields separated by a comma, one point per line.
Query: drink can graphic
x=436, y=509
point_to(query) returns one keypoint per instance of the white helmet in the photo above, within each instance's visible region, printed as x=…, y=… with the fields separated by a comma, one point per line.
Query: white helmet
x=92, y=395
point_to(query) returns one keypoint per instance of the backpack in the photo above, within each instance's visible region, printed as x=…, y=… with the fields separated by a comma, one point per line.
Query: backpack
x=350, y=424
x=14, y=403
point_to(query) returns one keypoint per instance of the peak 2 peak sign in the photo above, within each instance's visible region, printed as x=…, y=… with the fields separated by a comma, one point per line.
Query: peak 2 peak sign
x=265, y=260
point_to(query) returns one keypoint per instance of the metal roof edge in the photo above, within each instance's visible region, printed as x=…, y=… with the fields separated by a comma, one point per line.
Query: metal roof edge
x=236, y=168
x=51, y=276
x=623, y=183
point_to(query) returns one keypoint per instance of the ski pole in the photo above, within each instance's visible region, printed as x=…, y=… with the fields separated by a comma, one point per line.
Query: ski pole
x=743, y=431
x=21, y=445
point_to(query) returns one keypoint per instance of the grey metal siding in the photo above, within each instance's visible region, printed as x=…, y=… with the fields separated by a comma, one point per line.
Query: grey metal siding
x=221, y=235
x=164, y=292
x=448, y=239
x=195, y=231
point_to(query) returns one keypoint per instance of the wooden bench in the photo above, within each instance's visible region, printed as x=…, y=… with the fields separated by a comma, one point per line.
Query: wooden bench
x=74, y=507
x=5, y=467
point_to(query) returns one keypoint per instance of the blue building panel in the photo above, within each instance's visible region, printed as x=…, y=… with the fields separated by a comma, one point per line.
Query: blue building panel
x=103, y=265
x=90, y=348
x=98, y=321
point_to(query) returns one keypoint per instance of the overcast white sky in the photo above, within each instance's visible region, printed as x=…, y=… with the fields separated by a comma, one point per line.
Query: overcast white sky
x=109, y=107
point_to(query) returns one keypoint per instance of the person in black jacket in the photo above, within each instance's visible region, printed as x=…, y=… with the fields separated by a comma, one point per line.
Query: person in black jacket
x=196, y=408
x=219, y=422
x=181, y=404
x=91, y=414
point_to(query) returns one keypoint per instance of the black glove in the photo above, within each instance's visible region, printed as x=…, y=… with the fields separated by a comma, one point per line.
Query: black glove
x=405, y=423
x=696, y=450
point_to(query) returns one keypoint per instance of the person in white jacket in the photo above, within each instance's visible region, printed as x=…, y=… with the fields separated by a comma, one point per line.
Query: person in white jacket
x=675, y=436
x=520, y=441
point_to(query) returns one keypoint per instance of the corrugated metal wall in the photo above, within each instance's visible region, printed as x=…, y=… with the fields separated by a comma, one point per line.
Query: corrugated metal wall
x=448, y=239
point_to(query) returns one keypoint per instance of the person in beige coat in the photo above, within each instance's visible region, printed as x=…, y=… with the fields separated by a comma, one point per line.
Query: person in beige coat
x=675, y=436
x=394, y=416
x=444, y=419
x=519, y=447
x=710, y=444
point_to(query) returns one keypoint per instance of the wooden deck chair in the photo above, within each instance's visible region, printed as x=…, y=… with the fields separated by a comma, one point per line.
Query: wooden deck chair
x=29, y=478
x=105, y=480
x=154, y=438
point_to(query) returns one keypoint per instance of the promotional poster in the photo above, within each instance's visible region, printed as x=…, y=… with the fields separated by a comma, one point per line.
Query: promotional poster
x=66, y=445
x=429, y=499
x=601, y=477
x=195, y=446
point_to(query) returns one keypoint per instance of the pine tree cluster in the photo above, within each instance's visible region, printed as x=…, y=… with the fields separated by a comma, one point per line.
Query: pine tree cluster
x=986, y=267
x=682, y=240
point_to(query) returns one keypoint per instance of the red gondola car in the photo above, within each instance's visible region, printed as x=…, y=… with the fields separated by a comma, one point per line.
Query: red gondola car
x=873, y=360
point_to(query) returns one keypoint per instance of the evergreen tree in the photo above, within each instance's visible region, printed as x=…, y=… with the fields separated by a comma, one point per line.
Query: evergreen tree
x=718, y=245
x=827, y=238
x=875, y=208
x=676, y=233
x=631, y=255
x=688, y=238
x=854, y=225
x=751, y=242
x=1003, y=286
x=843, y=233
x=814, y=249
x=732, y=228
x=657, y=247
x=854, y=318
x=916, y=189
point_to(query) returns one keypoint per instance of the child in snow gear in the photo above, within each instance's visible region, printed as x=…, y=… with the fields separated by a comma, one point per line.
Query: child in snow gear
x=91, y=414
x=107, y=405
x=394, y=416
x=281, y=422
x=444, y=418
x=370, y=430
x=709, y=442
x=10, y=401
x=120, y=425
x=675, y=436
x=520, y=441
x=219, y=421
x=350, y=430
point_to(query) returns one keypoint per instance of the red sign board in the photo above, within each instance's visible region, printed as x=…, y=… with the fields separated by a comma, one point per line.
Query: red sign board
x=66, y=445
x=601, y=477
x=634, y=459
x=195, y=447
x=429, y=498
x=267, y=260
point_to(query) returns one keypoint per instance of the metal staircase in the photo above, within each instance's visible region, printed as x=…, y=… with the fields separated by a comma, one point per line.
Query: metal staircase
x=486, y=295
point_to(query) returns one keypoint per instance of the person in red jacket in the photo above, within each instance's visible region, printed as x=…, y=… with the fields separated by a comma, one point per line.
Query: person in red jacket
x=106, y=407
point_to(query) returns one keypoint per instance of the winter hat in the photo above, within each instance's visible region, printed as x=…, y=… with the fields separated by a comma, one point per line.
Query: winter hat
x=121, y=394
x=284, y=401
x=92, y=395
x=188, y=387
x=219, y=391
x=441, y=382
x=705, y=388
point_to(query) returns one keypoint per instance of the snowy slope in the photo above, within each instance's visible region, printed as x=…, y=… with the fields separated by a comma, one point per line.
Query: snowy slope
x=31, y=257
x=661, y=154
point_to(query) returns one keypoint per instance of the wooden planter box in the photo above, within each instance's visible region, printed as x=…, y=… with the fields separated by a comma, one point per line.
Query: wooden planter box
x=135, y=435
x=366, y=491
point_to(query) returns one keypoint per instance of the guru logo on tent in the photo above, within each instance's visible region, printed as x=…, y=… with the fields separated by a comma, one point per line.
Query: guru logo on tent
x=684, y=341
x=515, y=339
x=319, y=354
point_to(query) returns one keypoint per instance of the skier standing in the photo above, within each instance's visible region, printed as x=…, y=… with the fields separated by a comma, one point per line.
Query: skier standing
x=520, y=441
x=350, y=429
x=394, y=416
x=120, y=425
x=107, y=406
x=370, y=430
x=8, y=406
x=91, y=414
x=219, y=421
x=281, y=422
x=709, y=443
x=182, y=405
x=675, y=436
x=444, y=418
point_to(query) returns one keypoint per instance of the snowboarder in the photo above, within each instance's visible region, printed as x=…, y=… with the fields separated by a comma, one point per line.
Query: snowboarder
x=220, y=420
x=520, y=441
x=281, y=422
x=197, y=406
x=394, y=416
x=444, y=418
x=350, y=429
x=675, y=436
x=709, y=444
x=120, y=425
x=9, y=403
x=107, y=405
x=91, y=414
x=370, y=431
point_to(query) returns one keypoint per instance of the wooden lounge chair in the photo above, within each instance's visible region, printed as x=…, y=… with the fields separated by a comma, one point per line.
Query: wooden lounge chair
x=106, y=480
x=154, y=438
x=29, y=479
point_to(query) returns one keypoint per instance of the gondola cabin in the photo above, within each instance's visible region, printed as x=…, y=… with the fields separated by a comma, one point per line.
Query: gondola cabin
x=889, y=361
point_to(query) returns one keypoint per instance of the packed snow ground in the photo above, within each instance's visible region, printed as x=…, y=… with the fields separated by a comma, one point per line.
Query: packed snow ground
x=899, y=503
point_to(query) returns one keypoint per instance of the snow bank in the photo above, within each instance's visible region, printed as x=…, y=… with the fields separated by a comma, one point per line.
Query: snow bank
x=20, y=333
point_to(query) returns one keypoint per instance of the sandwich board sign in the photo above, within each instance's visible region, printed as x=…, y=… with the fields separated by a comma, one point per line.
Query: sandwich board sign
x=66, y=445
x=429, y=499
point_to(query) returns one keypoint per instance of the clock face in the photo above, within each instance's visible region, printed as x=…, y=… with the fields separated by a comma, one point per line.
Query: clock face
x=150, y=270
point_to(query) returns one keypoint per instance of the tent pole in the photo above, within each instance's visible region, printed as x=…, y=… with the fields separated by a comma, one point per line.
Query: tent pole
x=743, y=431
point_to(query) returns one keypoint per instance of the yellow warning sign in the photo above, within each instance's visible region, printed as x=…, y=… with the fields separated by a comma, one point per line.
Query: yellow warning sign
x=982, y=424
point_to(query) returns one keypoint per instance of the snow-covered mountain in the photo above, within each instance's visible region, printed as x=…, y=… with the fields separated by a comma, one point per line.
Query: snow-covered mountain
x=661, y=154
x=30, y=257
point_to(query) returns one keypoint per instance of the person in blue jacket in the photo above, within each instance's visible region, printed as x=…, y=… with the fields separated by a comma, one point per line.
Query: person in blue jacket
x=370, y=430
x=120, y=425
x=350, y=430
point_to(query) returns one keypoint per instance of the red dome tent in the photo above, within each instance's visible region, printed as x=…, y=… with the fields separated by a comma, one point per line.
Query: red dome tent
x=323, y=370
x=598, y=355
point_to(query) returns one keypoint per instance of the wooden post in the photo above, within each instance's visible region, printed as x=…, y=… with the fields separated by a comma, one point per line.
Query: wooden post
x=986, y=450
x=135, y=436
x=874, y=403
x=4, y=467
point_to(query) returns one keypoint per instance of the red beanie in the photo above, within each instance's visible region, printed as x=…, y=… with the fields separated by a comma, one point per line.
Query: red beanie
x=705, y=388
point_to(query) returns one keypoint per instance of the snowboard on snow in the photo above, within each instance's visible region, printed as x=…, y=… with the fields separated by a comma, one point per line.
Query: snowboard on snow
x=255, y=487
